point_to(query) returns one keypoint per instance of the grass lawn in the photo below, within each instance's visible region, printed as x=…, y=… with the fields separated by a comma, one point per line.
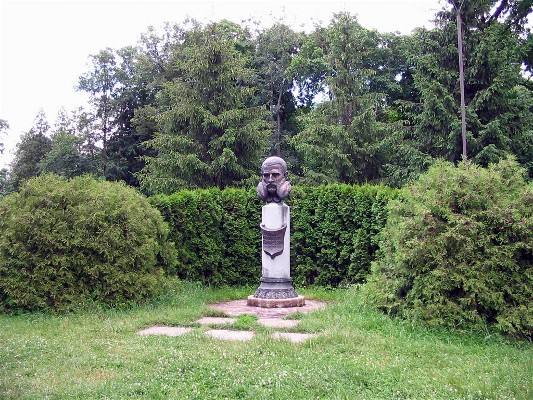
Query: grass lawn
x=358, y=354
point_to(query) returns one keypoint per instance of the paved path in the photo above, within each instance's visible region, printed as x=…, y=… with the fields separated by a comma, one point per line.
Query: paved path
x=269, y=317
x=239, y=307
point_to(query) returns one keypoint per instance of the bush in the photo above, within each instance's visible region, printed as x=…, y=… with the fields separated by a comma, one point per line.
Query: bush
x=457, y=250
x=333, y=233
x=68, y=242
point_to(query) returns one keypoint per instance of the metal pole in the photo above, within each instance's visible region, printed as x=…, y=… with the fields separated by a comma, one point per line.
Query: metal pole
x=461, y=77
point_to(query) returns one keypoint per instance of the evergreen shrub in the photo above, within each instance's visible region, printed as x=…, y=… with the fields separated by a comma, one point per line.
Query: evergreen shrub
x=216, y=234
x=334, y=233
x=335, y=230
x=457, y=250
x=65, y=243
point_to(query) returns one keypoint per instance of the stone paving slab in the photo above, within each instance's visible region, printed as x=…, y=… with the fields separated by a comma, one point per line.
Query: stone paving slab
x=238, y=307
x=216, y=321
x=230, y=335
x=293, y=337
x=165, y=330
x=226, y=334
x=278, y=323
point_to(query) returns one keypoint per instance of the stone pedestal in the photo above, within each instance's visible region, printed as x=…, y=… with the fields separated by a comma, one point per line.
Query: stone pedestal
x=276, y=288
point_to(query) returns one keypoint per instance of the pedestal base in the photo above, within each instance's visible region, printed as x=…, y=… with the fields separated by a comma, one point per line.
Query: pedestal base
x=275, y=288
x=253, y=301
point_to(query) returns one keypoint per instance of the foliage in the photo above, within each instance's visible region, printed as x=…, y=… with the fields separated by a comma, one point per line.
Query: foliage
x=210, y=131
x=102, y=84
x=457, y=249
x=498, y=102
x=64, y=157
x=336, y=133
x=125, y=146
x=335, y=229
x=65, y=243
x=276, y=47
x=333, y=238
x=198, y=105
x=216, y=234
x=355, y=133
x=4, y=125
x=30, y=151
x=6, y=185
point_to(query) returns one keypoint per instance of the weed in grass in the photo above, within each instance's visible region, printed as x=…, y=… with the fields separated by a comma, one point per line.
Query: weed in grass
x=294, y=316
x=245, y=322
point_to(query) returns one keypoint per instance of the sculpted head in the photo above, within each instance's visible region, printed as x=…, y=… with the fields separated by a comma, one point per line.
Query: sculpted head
x=274, y=186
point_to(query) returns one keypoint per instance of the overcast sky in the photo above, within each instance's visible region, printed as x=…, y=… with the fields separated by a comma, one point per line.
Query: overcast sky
x=45, y=45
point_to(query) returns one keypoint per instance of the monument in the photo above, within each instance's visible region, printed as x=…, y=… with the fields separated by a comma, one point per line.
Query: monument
x=275, y=289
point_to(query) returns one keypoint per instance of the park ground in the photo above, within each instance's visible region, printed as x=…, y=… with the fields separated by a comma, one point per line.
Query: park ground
x=355, y=353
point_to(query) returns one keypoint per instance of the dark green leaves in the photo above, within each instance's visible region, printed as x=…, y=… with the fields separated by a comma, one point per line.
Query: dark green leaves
x=457, y=249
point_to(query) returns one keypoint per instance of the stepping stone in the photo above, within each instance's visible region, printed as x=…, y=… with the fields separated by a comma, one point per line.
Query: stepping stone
x=230, y=335
x=293, y=337
x=215, y=321
x=165, y=330
x=278, y=323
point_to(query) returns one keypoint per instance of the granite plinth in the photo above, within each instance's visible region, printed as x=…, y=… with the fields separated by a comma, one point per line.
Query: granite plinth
x=253, y=301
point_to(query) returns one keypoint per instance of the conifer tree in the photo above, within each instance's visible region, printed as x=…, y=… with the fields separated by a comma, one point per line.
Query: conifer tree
x=210, y=131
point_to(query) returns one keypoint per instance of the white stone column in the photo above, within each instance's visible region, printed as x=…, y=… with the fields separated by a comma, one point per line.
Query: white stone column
x=276, y=216
x=276, y=288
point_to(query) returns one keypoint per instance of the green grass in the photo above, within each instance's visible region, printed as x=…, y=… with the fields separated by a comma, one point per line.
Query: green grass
x=358, y=354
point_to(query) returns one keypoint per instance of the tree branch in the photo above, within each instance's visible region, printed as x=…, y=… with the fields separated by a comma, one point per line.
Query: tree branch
x=503, y=5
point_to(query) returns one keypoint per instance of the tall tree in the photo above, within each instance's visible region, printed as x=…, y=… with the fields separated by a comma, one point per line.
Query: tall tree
x=341, y=135
x=135, y=90
x=276, y=46
x=210, y=131
x=65, y=157
x=498, y=106
x=6, y=184
x=30, y=151
x=101, y=84
x=3, y=127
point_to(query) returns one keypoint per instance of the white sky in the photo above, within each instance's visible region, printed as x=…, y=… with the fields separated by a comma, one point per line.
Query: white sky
x=45, y=45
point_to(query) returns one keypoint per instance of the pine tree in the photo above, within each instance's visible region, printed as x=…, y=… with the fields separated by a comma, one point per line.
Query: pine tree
x=210, y=131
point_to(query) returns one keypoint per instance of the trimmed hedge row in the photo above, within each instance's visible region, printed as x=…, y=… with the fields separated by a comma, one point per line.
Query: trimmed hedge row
x=333, y=234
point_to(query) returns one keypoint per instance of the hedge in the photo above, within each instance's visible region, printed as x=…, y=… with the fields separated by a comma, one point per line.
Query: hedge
x=333, y=234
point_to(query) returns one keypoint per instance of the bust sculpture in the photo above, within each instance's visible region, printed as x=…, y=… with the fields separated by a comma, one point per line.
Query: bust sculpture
x=274, y=186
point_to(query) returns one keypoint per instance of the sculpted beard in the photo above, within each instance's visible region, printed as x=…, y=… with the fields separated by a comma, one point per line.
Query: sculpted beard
x=273, y=191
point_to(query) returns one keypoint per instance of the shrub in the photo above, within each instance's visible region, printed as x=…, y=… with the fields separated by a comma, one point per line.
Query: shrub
x=67, y=242
x=457, y=250
x=333, y=233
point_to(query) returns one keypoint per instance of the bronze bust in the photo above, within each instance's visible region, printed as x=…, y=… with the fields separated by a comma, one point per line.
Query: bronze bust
x=274, y=186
